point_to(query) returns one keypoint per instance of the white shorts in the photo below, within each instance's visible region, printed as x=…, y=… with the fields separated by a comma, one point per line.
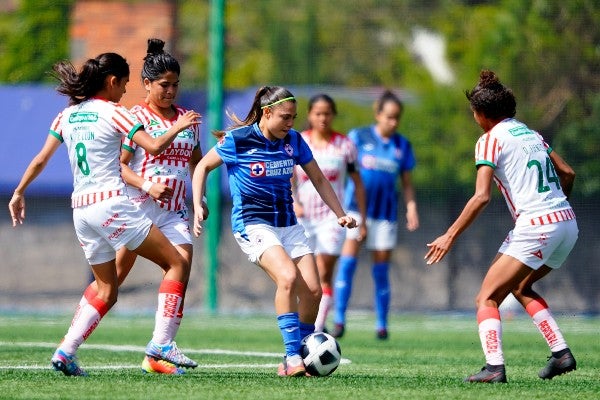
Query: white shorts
x=104, y=227
x=381, y=234
x=261, y=237
x=325, y=236
x=173, y=224
x=537, y=245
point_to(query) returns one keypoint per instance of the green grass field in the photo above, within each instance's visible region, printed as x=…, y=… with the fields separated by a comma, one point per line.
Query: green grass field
x=426, y=357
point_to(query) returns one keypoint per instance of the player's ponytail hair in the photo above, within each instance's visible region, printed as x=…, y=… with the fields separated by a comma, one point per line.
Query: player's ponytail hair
x=265, y=97
x=491, y=98
x=157, y=62
x=86, y=83
x=387, y=97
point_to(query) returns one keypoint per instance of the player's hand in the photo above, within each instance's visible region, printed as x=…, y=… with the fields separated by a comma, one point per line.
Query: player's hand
x=200, y=214
x=438, y=249
x=17, y=209
x=187, y=119
x=362, y=232
x=347, y=221
x=161, y=192
x=412, y=220
x=298, y=210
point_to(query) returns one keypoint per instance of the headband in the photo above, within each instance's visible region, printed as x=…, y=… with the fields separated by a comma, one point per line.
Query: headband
x=278, y=101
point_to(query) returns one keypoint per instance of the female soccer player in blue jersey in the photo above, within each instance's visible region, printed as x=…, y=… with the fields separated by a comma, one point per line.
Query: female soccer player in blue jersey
x=384, y=156
x=535, y=182
x=260, y=153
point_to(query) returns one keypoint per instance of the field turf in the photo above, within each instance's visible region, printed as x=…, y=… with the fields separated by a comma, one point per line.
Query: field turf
x=426, y=357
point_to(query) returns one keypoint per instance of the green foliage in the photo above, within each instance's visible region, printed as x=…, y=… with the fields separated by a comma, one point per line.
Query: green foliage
x=546, y=51
x=35, y=37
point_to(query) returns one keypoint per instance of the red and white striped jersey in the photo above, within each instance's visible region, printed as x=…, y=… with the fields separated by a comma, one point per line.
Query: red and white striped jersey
x=333, y=159
x=93, y=131
x=523, y=173
x=171, y=167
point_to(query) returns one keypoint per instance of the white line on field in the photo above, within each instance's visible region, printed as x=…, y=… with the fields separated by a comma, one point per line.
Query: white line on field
x=141, y=349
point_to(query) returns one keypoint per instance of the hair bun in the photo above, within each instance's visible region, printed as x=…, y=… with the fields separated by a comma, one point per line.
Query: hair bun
x=156, y=46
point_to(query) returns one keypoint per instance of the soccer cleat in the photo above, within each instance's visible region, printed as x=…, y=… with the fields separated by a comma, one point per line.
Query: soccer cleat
x=382, y=334
x=293, y=368
x=558, y=364
x=152, y=365
x=338, y=330
x=66, y=364
x=170, y=352
x=489, y=374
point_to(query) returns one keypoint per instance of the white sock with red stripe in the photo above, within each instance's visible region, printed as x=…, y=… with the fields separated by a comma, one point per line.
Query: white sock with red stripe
x=84, y=322
x=546, y=324
x=88, y=294
x=166, y=323
x=490, y=335
x=324, y=307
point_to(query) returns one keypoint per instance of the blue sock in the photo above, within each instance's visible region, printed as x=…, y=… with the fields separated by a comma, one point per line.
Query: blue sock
x=382, y=293
x=289, y=325
x=343, y=287
x=306, y=329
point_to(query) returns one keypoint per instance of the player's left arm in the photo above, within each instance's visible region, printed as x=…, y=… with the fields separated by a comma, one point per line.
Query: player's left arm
x=327, y=193
x=566, y=174
x=480, y=199
x=408, y=191
x=157, y=190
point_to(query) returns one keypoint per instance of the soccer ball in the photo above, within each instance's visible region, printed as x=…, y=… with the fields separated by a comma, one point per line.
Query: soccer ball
x=321, y=353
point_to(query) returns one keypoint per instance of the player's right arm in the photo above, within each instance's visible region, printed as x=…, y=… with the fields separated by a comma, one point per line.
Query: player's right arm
x=36, y=166
x=480, y=199
x=157, y=145
x=210, y=161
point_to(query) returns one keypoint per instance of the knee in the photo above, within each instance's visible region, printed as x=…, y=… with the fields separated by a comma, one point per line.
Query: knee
x=484, y=301
x=286, y=279
x=316, y=293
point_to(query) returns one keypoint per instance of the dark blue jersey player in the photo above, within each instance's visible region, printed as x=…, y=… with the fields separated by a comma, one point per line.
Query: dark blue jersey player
x=385, y=159
x=260, y=154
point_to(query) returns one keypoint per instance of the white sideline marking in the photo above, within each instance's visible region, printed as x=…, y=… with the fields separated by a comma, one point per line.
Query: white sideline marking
x=141, y=349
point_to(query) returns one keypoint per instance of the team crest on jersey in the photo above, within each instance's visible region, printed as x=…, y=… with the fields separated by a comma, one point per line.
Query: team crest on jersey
x=288, y=149
x=257, y=169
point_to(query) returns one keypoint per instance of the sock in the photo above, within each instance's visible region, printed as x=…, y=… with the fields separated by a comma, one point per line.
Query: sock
x=324, y=306
x=83, y=324
x=170, y=297
x=306, y=329
x=88, y=294
x=289, y=325
x=490, y=334
x=546, y=324
x=382, y=293
x=343, y=287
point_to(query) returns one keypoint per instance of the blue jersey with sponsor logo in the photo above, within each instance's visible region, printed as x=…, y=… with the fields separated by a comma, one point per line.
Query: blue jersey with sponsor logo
x=381, y=161
x=259, y=173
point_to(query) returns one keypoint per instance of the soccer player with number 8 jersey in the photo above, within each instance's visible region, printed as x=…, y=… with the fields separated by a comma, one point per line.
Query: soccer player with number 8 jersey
x=93, y=127
x=535, y=182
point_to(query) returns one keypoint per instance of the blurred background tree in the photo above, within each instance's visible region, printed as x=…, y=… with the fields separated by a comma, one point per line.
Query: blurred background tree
x=548, y=52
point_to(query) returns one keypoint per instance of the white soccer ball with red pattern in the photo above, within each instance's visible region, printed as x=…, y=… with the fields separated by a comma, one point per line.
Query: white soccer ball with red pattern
x=321, y=353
